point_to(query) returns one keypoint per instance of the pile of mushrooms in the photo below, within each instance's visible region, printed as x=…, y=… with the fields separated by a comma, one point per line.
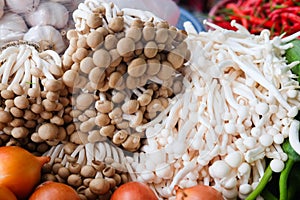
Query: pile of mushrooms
x=124, y=96
x=34, y=101
x=95, y=170
x=122, y=71
x=238, y=107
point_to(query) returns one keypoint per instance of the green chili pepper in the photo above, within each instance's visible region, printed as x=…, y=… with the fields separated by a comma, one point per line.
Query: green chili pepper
x=262, y=184
x=293, y=54
x=292, y=158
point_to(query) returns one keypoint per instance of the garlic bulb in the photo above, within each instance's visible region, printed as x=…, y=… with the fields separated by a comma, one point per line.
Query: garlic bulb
x=2, y=5
x=12, y=27
x=71, y=5
x=47, y=36
x=49, y=13
x=22, y=6
x=62, y=1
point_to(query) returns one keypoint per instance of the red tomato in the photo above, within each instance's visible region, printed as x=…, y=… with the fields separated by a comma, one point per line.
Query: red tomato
x=134, y=190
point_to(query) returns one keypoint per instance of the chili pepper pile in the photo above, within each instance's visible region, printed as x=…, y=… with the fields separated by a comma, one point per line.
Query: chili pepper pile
x=279, y=16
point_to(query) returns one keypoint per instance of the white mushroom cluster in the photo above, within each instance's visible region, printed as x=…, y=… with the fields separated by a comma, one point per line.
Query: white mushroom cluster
x=37, y=21
x=95, y=170
x=238, y=106
x=122, y=71
x=34, y=101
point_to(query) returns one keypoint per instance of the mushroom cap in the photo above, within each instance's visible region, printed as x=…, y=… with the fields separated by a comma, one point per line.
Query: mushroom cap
x=70, y=78
x=130, y=107
x=126, y=47
x=102, y=58
x=5, y=117
x=132, y=143
x=153, y=66
x=84, y=101
x=94, y=20
x=94, y=39
x=110, y=42
x=150, y=49
x=137, y=67
x=166, y=71
x=48, y=131
x=119, y=137
x=116, y=80
x=86, y=65
x=116, y=24
x=137, y=119
x=104, y=106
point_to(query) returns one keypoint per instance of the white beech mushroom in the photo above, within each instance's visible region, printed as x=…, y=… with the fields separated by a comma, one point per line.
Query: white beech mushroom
x=48, y=13
x=228, y=119
x=32, y=82
x=96, y=167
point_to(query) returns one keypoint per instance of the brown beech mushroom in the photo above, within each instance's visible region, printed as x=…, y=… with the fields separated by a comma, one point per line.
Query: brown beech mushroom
x=84, y=101
x=48, y=131
x=135, y=119
x=116, y=80
x=101, y=58
x=86, y=65
x=117, y=97
x=150, y=49
x=5, y=117
x=176, y=58
x=115, y=58
x=148, y=31
x=116, y=24
x=166, y=71
x=94, y=39
x=153, y=67
x=137, y=67
x=135, y=30
x=126, y=47
x=110, y=42
x=70, y=78
x=107, y=131
x=94, y=20
x=132, y=143
x=130, y=106
x=119, y=137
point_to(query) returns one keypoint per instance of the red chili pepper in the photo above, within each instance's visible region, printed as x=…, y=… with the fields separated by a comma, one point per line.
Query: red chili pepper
x=238, y=13
x=225, y=25
x=295, y=9
x=277, y=15
x=290, y=17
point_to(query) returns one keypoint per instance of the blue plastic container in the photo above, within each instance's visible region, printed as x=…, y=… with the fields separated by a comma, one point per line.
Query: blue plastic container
x=187, y=16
